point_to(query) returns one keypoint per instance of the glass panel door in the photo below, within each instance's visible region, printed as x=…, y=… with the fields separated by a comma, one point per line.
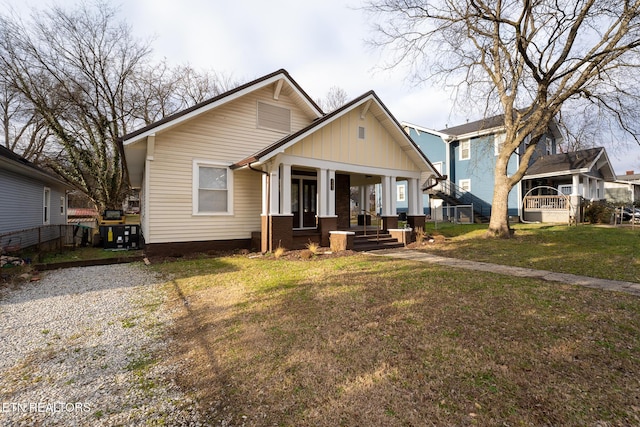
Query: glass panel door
x=304, y=194
x=309, y=195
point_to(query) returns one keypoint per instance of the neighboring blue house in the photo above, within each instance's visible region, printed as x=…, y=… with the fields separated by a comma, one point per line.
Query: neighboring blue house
x=30, y=198
x=466, y=155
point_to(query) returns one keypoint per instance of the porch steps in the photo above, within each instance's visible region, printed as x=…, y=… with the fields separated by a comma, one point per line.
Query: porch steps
x=371, y=242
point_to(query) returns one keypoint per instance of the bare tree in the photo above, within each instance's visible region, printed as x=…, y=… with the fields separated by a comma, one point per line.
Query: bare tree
x=526, y=59
x=162, y=90
x=75, y=68
x=336, y=97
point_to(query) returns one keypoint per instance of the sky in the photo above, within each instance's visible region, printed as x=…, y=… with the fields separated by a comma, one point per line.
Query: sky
x=321, y=43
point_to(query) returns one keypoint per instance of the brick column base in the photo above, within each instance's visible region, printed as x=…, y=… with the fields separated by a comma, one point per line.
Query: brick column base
x=415, y=222
x=325, y=225
x=280, y=233
x=389, y=222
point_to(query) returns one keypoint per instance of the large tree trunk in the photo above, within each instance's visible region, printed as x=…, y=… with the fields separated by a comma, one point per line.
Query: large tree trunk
x=499, y=223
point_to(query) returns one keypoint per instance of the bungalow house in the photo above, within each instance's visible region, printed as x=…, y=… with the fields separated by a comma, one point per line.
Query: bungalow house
x=262, y=166
x=466, y=155
x=575, y=176
x=31, y=199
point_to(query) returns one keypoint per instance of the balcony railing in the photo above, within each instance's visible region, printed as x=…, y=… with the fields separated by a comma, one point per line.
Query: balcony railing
x=546, y=203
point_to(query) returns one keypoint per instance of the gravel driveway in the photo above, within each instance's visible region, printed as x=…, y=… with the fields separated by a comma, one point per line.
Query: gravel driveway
x=81, y=347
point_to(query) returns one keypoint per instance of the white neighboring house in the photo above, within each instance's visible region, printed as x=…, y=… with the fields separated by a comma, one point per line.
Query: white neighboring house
x=624, y=190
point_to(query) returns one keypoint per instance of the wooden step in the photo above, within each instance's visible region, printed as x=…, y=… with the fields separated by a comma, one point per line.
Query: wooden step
x=372, y=242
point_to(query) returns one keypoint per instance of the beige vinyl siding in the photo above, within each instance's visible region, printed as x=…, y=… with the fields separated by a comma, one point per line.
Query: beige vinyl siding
x=338, y=141
x=226, y=134
x=166, y=225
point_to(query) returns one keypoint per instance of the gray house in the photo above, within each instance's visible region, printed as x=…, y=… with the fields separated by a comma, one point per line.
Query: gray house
x=30, y=198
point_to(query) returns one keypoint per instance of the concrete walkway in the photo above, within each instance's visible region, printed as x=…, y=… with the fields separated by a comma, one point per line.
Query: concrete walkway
x=591, y=282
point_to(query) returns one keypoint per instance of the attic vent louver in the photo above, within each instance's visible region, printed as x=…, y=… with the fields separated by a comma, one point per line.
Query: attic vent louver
x=360, y=132
x=274, y=117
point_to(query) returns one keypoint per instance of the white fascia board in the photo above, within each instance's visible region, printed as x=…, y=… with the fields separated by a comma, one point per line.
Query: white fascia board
x=346, y=167
x=560, y=173
x=446, y=137
x=478, y=133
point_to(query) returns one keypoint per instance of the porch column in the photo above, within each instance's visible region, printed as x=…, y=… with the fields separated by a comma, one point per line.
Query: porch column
x=575, y=197
x=601, y=190
x=327, y=219
x=274, y=196
x=276, y=228
x=415, y=217
x=265, y=195
x=331, y=195
x=575, y=185
x=415, y=197
x=389, y=215
x=587, y=187
x=285, y=189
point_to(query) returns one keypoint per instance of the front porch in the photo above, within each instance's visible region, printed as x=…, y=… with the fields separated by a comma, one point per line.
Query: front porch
x=303, y=205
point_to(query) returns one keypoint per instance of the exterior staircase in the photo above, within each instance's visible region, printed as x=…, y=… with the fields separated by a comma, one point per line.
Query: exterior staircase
x=453, y=195
x=373, y=241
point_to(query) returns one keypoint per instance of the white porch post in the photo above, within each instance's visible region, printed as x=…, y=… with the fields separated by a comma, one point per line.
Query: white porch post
x=389, y=196
x=415, y=198
x=285, y=190
x=331, y=194
x=575, y=185
x=274, y=196
x=586, y=187
x=363, y=200
x=386, y=195
x=265, y=192
x=601, y=190
x=323, y=193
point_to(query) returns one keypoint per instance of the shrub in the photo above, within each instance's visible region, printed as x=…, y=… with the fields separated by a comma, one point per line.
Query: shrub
x=279, y=252
x=306, y=254
x=313, y=247
x=420, y=236
x=598, y=213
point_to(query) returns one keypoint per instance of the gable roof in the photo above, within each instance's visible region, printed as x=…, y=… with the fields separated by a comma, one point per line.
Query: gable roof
x=479, y=126
x=486, y=126
x=223, y=98
x=371, y=103
x=581, y=161
x=12, y=161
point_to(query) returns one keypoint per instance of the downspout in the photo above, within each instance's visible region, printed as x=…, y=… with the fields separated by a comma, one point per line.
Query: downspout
x=268, y=204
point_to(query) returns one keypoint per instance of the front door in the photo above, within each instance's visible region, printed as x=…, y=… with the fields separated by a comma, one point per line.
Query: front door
x=304, y=193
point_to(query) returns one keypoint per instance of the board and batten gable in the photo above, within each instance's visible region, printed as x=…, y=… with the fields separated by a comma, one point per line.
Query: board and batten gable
x=357, y=141
x=222, y=136
x=23, y=202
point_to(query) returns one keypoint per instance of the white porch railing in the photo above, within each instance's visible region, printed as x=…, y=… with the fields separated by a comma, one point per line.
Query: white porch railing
x=546, y=203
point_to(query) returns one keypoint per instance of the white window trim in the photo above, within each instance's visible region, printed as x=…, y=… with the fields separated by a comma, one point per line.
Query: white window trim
x=565, y=186
x=63, y=207
x=461, y=185
x=468, y=143
x=46, y=206
x=196, y=179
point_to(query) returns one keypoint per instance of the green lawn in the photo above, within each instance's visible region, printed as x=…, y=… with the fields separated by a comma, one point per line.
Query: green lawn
x=361, y=340
x=610, y=253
